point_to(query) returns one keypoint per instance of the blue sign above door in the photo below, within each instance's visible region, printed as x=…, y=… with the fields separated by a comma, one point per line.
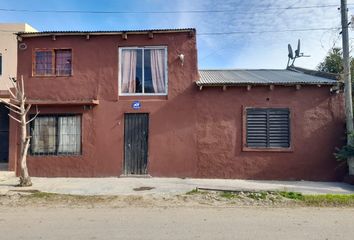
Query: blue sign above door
x=136, y=105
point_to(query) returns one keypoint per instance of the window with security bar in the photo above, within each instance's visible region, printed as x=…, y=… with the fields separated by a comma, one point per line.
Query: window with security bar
x=52, y=62
x=56, y=135
x=268, y=128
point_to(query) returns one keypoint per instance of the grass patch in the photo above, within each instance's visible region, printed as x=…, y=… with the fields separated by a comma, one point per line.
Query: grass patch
x=292, y=195
x=329, y=200
x=227, y=195
x=42, y=195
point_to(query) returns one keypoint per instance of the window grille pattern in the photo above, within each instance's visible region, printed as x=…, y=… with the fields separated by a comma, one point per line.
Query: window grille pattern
x=268, y=128
x=56, y=62
x=44, y=63
x=63, y=62
x=56, y=135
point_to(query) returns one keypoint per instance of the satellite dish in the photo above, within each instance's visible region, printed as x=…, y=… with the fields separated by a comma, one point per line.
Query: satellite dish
x=297, y=51
x=290, y=55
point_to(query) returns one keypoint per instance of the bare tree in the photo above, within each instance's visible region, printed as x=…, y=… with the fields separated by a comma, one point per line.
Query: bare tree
x=18, y=111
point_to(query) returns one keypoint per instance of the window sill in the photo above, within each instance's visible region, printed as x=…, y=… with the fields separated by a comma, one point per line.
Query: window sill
x=51, y=76
x=251, y=149
x=55, y=156
x=143, y=97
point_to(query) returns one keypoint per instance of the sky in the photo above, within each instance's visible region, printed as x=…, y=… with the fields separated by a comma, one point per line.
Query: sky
x=239, y=34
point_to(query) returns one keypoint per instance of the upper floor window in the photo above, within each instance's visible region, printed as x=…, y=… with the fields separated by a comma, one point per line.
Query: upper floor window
x=52, y=62
x=143, y=71
x=268, y=128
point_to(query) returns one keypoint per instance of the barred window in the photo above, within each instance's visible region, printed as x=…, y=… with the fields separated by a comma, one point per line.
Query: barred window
x=43, y=63
x=268, y=128
x=52, y=62
x=56, y=135
x=63, y=62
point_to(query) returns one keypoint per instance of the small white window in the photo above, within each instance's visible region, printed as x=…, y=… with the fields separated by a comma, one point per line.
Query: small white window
x=143, y=71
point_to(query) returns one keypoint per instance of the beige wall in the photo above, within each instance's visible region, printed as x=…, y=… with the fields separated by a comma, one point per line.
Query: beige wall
x=8, y=50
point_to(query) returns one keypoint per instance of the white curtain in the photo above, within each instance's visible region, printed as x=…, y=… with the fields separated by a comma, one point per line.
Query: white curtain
x=69, y=135
x=43, y=135
x=158, y=70
x=128, y=70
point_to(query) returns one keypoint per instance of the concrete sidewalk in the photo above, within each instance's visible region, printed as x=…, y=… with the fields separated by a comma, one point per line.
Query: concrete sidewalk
x=164, y=186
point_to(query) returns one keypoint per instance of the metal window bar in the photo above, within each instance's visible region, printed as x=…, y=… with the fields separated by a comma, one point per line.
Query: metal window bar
x=63, y=59
x=56, y=135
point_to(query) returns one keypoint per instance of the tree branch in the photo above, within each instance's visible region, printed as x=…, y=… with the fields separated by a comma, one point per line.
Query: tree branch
x=33, y=117
x=28, y=108
x=14, y=118
x=13, y=110
x=12, y=94
x=10, y=104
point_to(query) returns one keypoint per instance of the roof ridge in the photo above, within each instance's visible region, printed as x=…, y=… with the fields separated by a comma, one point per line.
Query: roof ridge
x=316, y=73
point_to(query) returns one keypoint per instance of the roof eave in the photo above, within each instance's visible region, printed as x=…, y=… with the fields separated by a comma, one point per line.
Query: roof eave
x=265, y=84
x=80, y=33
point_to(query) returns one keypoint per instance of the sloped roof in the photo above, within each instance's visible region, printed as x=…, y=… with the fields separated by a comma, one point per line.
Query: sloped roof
x=290, y=76
x=65, y=33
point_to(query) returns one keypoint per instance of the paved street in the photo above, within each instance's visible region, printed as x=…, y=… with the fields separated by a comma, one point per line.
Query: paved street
x=176, y=223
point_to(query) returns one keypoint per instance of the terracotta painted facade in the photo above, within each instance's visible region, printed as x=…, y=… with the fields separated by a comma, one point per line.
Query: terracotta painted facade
x=192, y=132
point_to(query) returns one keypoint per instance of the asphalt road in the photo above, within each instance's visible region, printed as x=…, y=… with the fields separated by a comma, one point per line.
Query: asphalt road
x=176, y=223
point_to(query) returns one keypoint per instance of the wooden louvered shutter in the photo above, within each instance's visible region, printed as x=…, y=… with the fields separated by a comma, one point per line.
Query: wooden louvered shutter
x=268, y=128
x=257, y=128
x=278, y=128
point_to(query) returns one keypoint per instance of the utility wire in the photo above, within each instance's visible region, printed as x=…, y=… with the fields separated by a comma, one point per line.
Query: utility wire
x=168, y=12
x=267, y=31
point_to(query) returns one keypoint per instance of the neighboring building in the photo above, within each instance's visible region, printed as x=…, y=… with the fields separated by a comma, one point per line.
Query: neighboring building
x=134, y=103
x=8, y=68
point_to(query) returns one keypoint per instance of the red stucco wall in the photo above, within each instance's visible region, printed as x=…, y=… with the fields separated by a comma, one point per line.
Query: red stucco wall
x=193, y=133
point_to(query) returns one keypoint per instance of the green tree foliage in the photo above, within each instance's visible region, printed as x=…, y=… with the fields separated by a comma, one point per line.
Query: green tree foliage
x=346, y=151
x=333, y=62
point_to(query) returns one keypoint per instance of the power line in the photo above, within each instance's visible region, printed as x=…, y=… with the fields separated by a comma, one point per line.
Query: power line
x=268, y=31
x=168, y=12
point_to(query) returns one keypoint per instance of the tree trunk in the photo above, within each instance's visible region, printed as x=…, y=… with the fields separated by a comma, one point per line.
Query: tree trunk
x=25, y=179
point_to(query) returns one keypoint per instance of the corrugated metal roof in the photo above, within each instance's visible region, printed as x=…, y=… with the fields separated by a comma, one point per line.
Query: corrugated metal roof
x=142, y=31
x=260, y=77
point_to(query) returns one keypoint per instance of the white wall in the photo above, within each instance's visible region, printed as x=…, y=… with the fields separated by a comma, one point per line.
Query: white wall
x=8, y=50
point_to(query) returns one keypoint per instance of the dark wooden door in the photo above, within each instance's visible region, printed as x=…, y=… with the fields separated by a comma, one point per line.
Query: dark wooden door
x=136, y=131
x=4, y=134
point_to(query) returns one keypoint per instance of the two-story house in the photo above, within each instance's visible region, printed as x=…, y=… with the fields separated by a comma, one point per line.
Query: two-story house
x=8, y=68
x=134, y=103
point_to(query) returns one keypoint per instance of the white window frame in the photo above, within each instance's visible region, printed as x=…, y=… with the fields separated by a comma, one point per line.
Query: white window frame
x=120, y=73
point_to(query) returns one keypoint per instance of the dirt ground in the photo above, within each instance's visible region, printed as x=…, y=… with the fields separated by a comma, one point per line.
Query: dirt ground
x=193, y=215
x=175, y=223
x=190, y=199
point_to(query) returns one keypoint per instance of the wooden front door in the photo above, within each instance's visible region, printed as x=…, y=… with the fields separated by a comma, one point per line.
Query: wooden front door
x=136, y=131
